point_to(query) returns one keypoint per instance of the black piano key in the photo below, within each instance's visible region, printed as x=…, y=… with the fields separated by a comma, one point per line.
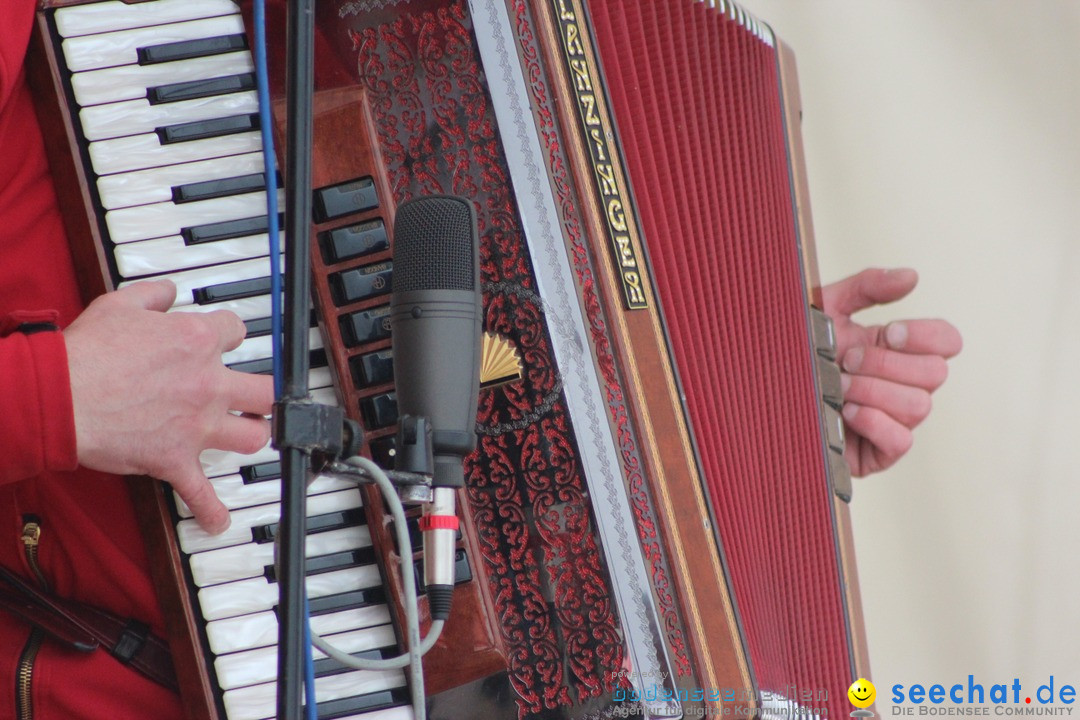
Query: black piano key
x=373, y=368
x=344, y=707
x=330, y=666
x=355, y=284
x=383, y=451
x=416, y=538
x=224, y=187
x=262, y=366
x=365, y=326
x=201, y=129
x=265, y=366
x=329, y=563
x=187, y=49
x=353, y=241
x=235, y=290
x=462, y=571
x=260, y=473
x=227, y=229
x=345, y=199
x=258, y=327
x=191, y=89
x=379, y=411
x=347, y=601
x=315, y=524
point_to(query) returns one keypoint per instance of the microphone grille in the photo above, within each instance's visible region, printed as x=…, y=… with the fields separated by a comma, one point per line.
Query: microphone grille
x=435, y=244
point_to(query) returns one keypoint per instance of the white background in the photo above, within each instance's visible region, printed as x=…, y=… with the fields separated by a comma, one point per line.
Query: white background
x=944, y=135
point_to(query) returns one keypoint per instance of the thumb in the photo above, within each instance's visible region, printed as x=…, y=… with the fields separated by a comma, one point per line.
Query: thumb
x=157, y=295
x=868, y=288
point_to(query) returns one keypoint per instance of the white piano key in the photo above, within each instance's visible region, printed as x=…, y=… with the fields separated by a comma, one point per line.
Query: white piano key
x=250, y=308
x=170, y=254
x=116, y=15
x=129, y=82
x=152, y=185
x=249, y=667
x=236, y=494
x=258, y=594
x=138, y=152
x=120, y=47
x=187, y=281
x=325, y=396
x=239, y=562
x=261, y=629
x=260, y=347
x=259, y=702
x=132, y=117
x=224, y=462
x=401, y=712
x=193, y=539
x=320, y=378
x=168, y=218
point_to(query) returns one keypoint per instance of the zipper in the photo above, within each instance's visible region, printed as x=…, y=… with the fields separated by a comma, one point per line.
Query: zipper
x=24, y=674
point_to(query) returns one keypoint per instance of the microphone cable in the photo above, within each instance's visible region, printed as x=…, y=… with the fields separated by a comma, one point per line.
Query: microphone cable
x=415, y=647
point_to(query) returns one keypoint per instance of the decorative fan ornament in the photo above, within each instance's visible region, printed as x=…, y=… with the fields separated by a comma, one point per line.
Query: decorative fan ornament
x=500, y=361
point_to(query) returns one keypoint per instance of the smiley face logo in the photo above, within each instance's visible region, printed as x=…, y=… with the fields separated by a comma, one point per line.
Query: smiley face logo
x=862, y=693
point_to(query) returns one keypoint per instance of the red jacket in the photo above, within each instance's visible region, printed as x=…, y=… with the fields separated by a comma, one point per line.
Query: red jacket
x=89, y=547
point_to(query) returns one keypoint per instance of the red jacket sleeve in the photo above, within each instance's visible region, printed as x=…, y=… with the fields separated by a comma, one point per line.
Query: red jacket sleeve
x=37, y=425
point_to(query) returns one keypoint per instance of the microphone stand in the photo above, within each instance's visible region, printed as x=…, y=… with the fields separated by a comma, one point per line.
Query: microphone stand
x=299, y=85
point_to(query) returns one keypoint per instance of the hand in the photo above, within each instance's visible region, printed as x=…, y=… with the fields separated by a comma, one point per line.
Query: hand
x=150, y=392
x=889, y=370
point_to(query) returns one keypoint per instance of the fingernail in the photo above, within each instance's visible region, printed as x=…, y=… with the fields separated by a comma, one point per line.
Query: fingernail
x=896, y=335
x=853, y=359
x=845, y=382
x=850, y=411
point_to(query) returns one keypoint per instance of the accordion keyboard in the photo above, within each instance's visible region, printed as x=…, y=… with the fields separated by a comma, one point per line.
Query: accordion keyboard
x=166, y=101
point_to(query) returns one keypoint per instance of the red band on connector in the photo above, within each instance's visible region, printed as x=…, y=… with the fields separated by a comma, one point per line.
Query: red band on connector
x=438, y=522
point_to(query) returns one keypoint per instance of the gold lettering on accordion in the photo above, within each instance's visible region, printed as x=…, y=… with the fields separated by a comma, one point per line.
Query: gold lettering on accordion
x=572, y=38
x=615, y=214
x=587, y=103
x=613, y=195
x=582, y=78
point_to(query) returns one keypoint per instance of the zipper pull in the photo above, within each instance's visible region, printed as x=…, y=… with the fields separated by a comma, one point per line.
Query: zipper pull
x=31, y=538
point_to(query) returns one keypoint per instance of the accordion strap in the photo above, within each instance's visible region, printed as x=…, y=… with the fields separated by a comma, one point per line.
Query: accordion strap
x=85, y=628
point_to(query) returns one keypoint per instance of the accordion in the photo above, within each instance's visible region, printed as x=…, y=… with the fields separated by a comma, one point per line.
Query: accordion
x=654, y=521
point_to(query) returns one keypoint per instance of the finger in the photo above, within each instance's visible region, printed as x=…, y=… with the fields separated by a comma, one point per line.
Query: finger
x=249, y=393
x=197, y=492
x=907, y=405
x=886, y=440
x=867, y=288
x=230, y=329
x=923, y=371
x=928, y=337
x=240, y=433
x=157, y=295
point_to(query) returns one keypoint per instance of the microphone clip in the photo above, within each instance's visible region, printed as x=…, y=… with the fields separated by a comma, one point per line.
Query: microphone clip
x=414, y=454
x=322, y=431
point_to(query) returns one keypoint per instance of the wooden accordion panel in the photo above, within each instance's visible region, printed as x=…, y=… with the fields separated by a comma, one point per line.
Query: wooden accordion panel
x=651, y=521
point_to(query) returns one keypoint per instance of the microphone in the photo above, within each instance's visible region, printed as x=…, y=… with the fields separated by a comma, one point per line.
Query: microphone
x=435, y=316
